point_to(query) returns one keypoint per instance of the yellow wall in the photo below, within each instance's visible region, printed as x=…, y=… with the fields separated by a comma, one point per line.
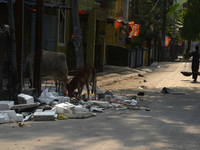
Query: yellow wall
x=145, y=57
x=91, y=38
x=86, y=4
x=110, y=34
x=119, y=8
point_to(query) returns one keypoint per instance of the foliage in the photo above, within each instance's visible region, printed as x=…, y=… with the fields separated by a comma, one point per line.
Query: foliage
x=191, y=20
x=151, y=11
x=174, y=21
x=184, y=54
x=135, y=42
x=172, y=13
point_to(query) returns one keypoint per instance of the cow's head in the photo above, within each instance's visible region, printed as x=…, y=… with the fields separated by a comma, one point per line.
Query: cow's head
x=70, y=89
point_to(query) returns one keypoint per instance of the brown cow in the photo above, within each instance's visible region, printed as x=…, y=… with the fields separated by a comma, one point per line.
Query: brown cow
x=53, y=64
x=85, y=75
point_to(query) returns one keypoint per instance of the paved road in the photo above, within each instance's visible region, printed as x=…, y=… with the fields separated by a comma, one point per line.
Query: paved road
x=172, y=123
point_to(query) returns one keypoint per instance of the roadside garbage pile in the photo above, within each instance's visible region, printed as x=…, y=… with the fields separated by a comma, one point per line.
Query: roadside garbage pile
x=50, y=106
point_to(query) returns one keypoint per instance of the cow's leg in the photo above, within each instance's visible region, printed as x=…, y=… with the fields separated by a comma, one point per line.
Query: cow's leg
x=88, y=90
x=62, y=84
x=59, y=84
x=31, y=78
x=80, y=89
x=31, y=84
x=79, y=93
x=94, y=88
x=55, y=80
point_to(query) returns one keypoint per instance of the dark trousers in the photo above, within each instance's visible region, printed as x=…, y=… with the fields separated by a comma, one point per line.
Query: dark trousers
x=195, y=69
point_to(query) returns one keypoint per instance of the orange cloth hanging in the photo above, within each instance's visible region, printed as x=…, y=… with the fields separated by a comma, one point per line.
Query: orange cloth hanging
x=81, y=12
x=167, y=40
x=31, y=8
x=152, y=27
x=180, y=42
x=118, y=23
x=135, y=30
x=131, y=24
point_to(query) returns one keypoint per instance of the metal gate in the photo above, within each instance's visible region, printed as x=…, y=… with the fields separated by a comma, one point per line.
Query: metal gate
x=139, y=57
x=2, y=54
x=50, y=28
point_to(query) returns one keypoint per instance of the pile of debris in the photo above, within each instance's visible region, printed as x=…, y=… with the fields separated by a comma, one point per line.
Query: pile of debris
x=50, y=106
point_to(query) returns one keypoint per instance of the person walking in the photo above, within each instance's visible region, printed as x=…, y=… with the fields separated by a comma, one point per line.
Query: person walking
x=195, y=63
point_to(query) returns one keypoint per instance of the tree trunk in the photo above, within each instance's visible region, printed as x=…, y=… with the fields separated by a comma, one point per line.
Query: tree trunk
x=38, y=45
x=77, y=34
x=188, y=49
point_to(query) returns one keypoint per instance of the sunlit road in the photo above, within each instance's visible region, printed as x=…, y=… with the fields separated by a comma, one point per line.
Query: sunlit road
x=173, y=122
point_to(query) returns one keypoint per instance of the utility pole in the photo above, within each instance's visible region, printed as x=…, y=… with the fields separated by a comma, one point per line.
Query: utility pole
x=174, y=32
x=77, y=34
x=163, y=31
x=12, y=47
x=38, y=45
x=19, y=27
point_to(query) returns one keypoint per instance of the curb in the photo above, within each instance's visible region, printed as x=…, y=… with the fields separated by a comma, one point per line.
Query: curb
x=116, y=75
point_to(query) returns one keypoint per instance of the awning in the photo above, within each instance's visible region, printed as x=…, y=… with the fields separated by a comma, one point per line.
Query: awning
x=3, y=1
x=47, y=5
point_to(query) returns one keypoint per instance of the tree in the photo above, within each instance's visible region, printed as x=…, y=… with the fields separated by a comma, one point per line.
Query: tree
x=191, y=22
x=152, y=12
x=147, y=12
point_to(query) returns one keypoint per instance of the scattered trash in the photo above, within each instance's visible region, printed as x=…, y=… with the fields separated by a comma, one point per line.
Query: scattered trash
x=47, y=115
x=21, y=107
x=62, y=117
x=20, y=124
x=171, y=91
x=108, y=98
x=48, y=97
x=5, y=105
x=140, y=75
x=117, y=105
x=79, y=115
x=99, y=103
x=164, y=91
x=147, y=70
x=107, y=94
x=28, y=117
x=160, y=101
x=94, y=109
x=57, y=105
x=63, y=108
x=148, y=109
x=131, y=102
x=32, y=92
x=7, y=115
x=79, y=109
x=25, y=99
x=141, y=87
x=141, y=94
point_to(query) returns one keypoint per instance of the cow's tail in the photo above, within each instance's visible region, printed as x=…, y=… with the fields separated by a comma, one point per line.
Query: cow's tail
x=93, y=80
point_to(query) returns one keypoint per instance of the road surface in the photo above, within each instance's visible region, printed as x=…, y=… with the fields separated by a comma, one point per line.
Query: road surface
x=173, y=122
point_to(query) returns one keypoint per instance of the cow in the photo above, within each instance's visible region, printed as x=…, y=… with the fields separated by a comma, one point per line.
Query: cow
x=53, y=64
x=85, y=75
